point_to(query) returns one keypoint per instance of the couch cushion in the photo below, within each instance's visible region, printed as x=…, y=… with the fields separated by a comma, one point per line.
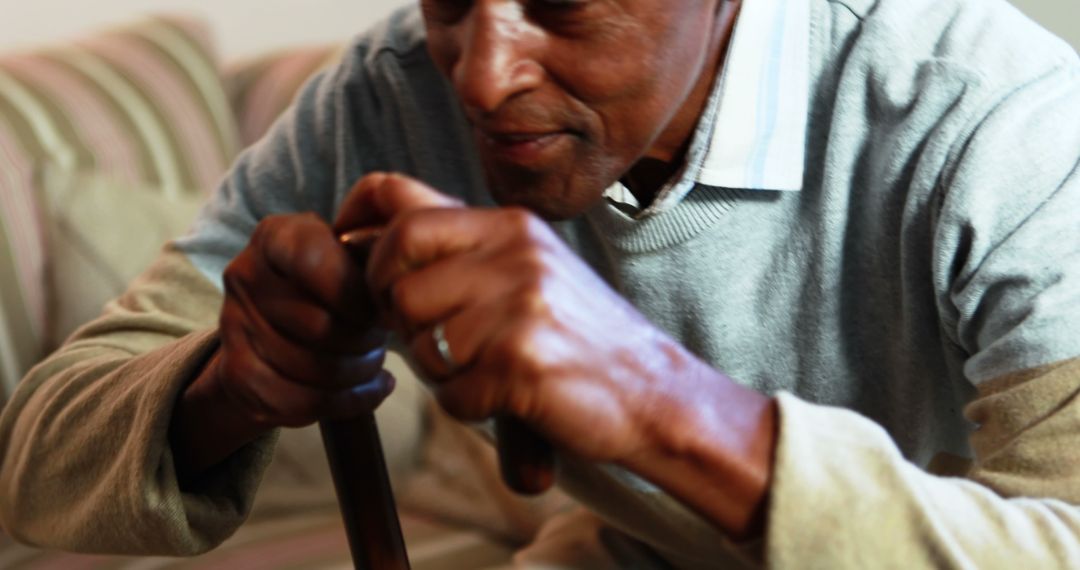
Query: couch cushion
x=142, y=104
x=101, y=235
x=262, y=88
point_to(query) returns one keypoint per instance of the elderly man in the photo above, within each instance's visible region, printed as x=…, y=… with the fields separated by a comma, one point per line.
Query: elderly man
x=791, y=282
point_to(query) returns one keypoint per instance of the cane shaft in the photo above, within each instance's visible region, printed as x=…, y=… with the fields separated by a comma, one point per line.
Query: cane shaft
x=526, y=459
x=364, y=494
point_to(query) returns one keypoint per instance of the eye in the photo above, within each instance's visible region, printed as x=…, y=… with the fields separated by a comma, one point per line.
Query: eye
x=558, y=5
x=562, y=3
x=563, y=15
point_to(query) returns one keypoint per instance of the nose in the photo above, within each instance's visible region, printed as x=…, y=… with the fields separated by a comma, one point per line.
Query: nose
x=496, y=61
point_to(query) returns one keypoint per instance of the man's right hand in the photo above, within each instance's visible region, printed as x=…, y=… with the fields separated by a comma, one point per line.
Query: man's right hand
x=298, y=344
x=297, y=337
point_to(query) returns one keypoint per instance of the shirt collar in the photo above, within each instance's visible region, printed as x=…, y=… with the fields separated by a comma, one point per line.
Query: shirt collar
x=758, y=140
x=752, y=134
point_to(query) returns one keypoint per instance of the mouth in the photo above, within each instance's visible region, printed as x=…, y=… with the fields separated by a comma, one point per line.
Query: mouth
x=525, y=147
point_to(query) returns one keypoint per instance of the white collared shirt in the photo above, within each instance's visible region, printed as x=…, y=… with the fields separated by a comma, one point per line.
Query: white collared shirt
x=752, y=133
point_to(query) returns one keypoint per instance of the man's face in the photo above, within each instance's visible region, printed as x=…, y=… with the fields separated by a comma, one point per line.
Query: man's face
x=566, y=95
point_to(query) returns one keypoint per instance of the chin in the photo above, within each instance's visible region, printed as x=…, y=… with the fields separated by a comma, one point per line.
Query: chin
x=553, y=197
x=551, y=202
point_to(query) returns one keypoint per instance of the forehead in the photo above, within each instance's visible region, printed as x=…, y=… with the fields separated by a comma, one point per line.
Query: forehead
x=577, y=21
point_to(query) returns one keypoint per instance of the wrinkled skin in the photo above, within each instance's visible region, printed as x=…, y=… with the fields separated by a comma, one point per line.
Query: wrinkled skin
x=296, y=330
x=566, y=97
x=535, y=333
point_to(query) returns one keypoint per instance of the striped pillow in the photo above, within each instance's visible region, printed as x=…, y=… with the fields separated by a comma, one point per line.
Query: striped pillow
x=142, y=104
x=262, y=88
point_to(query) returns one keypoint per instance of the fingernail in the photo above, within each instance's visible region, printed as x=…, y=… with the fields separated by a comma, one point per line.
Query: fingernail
x=360, y=239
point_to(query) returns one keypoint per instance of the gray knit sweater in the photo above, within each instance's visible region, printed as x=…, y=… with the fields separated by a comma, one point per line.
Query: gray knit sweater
x=931, y=262
x=934, y=245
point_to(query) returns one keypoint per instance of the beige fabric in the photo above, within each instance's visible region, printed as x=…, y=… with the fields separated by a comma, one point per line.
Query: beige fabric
x=109, y=393
x=85, y=460
x=843, y=497
x=298, y=478
x=458, y=480
x=92, y=258
x=1029, y=443
x=569, y=540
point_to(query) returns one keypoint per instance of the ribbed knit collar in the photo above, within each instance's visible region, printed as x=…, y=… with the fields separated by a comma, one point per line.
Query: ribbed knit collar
x=698, y=212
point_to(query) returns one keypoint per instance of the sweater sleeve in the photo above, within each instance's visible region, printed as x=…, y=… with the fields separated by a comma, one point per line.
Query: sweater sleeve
x=844, y=497
x=84, y=440
x=1007, y=277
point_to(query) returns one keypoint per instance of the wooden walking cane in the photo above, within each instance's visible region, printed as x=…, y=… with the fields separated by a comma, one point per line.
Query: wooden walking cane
x=364, y=494
x=357, y=464
x=358, y=467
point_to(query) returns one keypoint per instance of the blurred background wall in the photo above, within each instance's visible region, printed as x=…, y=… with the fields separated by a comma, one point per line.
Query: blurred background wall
x=245, y=27
x=1060, y=16
x=242, y=27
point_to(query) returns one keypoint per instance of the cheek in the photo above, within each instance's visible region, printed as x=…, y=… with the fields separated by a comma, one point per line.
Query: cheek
x=634, y=88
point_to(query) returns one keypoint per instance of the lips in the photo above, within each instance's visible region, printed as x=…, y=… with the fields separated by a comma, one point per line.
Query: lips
x=523, y=147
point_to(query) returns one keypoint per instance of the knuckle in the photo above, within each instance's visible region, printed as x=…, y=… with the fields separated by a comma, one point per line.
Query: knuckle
x=236, y=275
x=268, y=226
x=520, y=220
x=532, y=301
x=529, y=228
x=316, y=326
x=409, y=232
x=232, y=277
x=534, y=267
x=306, y=256
x=291, y=241
x=521, y=352
x=409, y=228
x=272, y=228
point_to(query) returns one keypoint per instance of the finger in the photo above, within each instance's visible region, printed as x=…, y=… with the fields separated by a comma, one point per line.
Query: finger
x=379, y=197
x=276, y=401
x=505, y=373
x=432, y=292
x=421, y=237
x=300, y=364
x=290, y=312
x=359, y=399
x=304, y=251
x=270, y=399
x=293, y=312
x=472, y=396
x=466, y=334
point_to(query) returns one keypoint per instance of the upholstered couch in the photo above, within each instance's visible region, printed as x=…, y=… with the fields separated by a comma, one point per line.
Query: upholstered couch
x=107, y=146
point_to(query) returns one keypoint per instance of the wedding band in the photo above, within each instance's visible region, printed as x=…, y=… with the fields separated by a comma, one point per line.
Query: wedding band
x=443, y=347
